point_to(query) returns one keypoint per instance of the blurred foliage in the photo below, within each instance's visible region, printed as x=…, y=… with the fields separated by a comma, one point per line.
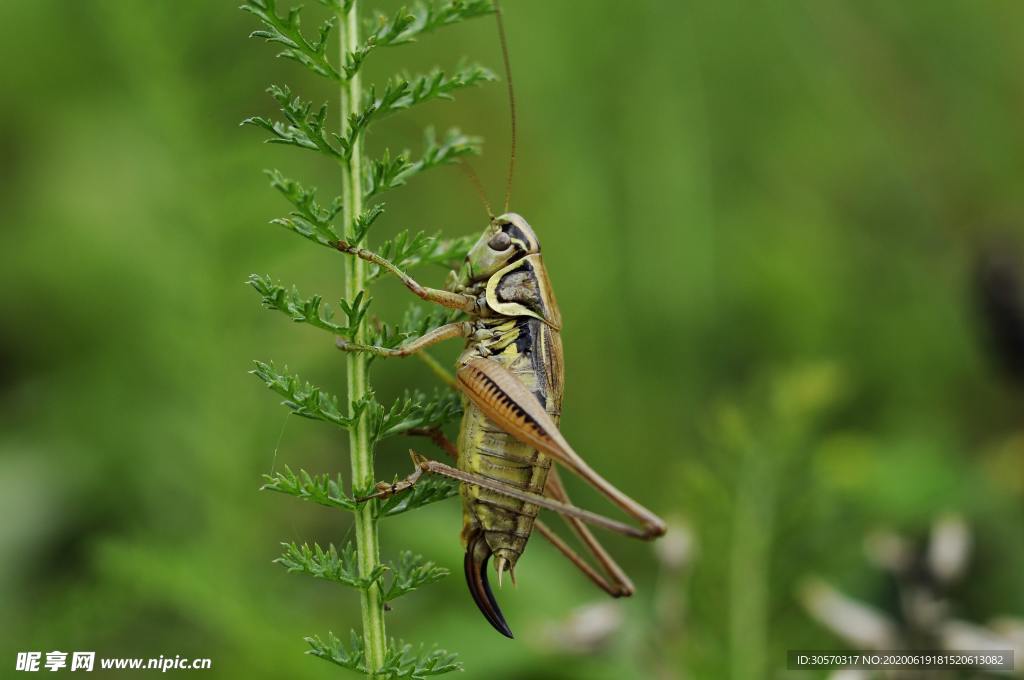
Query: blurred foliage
x=761, y=221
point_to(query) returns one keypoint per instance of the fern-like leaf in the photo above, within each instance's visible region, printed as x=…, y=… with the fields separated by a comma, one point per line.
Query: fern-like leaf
x=319, y=489
x=387, y=173
x=310, y=310
x=341, y=566
x=415, y=410
x=303, y=126
x=401, y=660
x=426, y=491
x=412, y=250
x=404, y=26
x=309, y=219
x=409, y=573
x=364, y=220
x=416, y=663
x=334, y=650
x=427, y=17
x=308, y=400
x=290, y=302
x=286, y=31
x=402, y=93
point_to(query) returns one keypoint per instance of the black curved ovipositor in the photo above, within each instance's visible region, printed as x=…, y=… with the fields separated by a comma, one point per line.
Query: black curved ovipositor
x=478, y=554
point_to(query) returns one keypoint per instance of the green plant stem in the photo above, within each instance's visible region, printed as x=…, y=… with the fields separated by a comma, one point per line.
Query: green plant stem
x=752, y=528
x=360, y=449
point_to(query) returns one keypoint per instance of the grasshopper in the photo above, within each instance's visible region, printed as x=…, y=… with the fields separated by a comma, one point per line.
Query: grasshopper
x=511, y=378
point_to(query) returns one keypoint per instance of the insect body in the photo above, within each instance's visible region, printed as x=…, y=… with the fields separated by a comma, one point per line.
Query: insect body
x=511, y=376
x=523, y=338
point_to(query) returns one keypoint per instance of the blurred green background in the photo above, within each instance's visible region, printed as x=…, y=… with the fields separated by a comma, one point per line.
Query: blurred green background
x=762, y=221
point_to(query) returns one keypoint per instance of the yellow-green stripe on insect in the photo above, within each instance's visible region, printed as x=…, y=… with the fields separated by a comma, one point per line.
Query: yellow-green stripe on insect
x=511, y=378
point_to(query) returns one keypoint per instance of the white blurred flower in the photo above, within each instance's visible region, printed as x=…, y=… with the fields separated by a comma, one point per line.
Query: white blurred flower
x=888, y=550
x=862, y=626
x=676, y=548
x=588, y=629
x=949, y=548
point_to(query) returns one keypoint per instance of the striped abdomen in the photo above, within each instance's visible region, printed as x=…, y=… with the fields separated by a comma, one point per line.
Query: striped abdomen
x=531, y=351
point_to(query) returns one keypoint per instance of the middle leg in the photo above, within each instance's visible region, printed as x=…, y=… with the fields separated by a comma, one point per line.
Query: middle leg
x=458, y=329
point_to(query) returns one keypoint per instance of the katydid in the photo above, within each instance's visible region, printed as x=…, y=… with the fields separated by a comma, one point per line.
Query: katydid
x=511, y=377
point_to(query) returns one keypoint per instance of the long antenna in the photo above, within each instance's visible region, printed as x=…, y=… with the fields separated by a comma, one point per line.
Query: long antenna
x=478, y=185
x=511, y=101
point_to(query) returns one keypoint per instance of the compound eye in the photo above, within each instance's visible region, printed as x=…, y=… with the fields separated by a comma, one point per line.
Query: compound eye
x=500, y=241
